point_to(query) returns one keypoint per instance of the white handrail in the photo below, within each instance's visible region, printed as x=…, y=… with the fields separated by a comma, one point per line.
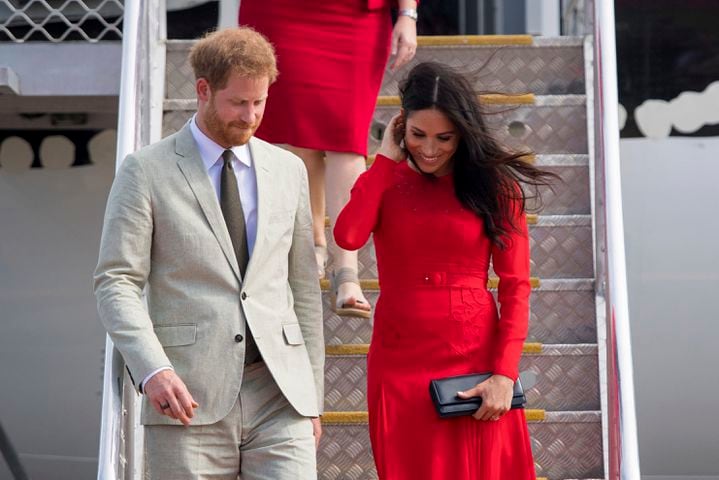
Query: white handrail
x=109, y=457
x=618, y=313
x=139, y=116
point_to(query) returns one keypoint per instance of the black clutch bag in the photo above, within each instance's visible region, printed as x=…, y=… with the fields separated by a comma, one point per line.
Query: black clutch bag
x=444, y=394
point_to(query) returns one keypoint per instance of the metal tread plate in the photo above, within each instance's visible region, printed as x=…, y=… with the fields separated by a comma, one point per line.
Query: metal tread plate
x=565, y=445
x=547, y=66
x=561, y=377
x=560, y=312
x=551, y=125
x=561, y=247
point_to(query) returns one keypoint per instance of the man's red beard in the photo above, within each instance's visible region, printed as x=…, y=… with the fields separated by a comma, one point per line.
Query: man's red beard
x=227, y=134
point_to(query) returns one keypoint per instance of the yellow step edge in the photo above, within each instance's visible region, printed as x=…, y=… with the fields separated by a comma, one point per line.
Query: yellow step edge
x=531, y=220
x=362, y=418
x=363, y=348
x=450, y=40
x=488, y=99
x=373, y=284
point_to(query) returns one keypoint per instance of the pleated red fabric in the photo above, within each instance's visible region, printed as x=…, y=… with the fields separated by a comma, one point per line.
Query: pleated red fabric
x=436, y=318
x=331, y=56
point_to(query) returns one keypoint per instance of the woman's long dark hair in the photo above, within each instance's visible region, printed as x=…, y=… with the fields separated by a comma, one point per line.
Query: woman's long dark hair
x=488, y=178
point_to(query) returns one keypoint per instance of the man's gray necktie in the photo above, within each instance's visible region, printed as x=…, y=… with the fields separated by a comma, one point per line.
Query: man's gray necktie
x=231, y=206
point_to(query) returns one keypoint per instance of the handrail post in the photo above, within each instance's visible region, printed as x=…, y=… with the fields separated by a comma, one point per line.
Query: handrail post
x=139, y=123
x=622, y=440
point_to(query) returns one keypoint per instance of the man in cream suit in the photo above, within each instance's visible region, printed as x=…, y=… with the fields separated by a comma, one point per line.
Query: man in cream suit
x=216, y=224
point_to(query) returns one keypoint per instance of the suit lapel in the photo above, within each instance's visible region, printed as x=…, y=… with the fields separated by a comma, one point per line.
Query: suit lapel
x=264, y=195
x=193, y=169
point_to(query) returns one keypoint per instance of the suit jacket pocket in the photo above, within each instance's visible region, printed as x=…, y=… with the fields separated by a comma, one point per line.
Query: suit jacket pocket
x=176, y=335
x=293, y=334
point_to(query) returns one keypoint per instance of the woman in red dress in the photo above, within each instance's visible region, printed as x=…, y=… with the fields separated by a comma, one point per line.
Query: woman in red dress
x=331, y=55
x=438, y=219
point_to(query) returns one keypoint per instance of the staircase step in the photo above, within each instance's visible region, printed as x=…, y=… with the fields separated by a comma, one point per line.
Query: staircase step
x=556, y=377
x=373, y=283
x=487, y=99
x=552, y=124
x=547, y=66
x=532, y=219
x=512, y=64
x=561, y=311
x=561, y=247
x=572, y=195
x=565, y=445
x=361, y=417
x=545, y=160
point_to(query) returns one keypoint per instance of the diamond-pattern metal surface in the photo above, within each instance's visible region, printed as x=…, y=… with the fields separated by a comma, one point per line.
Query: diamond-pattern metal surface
x=562, y=252
x=567, y=378
x=173, y=120
x=366, y=257
x=541, y=69
x=570, y=196
x=564, y=446
x=568, y=445
x=345, y=453
x=179, y=77
x=555, y=317
x=562, y=317
x=564, y=377
x=346, y=383
x=557, y=251
x=543, y=129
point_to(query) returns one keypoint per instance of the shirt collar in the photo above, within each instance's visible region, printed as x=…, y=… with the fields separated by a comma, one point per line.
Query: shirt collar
x=211, y=152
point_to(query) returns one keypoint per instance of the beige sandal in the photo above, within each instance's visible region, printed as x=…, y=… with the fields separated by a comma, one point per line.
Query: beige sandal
x=345, y=275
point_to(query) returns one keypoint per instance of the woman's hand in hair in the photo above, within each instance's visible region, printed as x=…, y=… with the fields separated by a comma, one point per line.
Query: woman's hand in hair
x=392, y=139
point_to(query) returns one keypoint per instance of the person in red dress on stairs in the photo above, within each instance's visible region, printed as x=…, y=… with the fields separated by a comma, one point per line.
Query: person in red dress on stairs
x=331, y=56
x=440, y=209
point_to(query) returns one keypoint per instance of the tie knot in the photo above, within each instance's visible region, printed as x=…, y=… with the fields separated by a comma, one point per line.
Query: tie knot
x=227, y=157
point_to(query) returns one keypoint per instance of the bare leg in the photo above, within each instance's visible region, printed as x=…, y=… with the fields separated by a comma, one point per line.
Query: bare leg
x=315, y=163
x=342, y=169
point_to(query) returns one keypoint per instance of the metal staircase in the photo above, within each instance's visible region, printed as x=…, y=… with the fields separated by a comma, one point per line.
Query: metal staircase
x=576, y=424
x=549, y=117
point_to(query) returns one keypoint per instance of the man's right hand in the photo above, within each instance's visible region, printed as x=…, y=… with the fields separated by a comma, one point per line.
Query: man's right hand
x=169, y=395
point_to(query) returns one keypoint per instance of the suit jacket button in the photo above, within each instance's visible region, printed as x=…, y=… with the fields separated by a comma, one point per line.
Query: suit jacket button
x=244, y=296
x=239, y=338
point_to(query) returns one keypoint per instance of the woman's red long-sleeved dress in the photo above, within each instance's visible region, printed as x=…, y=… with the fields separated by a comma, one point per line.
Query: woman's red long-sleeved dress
x=436, y=318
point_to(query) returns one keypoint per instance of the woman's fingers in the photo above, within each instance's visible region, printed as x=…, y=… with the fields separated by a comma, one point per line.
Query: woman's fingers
x=494, y=401
x=404, y=41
